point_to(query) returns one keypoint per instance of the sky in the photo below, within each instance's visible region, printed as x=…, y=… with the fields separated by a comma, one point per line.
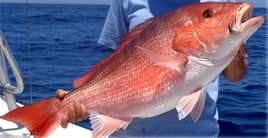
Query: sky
x=257, y=3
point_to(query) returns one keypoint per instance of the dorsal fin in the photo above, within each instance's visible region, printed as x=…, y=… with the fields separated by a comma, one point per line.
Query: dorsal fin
x=127, y=39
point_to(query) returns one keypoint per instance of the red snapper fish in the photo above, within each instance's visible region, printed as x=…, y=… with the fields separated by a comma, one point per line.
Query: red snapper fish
x=162, y=64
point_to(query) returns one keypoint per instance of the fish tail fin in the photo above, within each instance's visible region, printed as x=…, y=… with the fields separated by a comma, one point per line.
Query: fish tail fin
x=40, y=118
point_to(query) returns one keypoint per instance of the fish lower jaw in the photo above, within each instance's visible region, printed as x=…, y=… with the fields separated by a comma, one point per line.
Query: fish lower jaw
x=251, y=24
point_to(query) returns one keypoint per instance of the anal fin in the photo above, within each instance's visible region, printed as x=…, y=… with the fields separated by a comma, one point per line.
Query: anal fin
x=104, y=126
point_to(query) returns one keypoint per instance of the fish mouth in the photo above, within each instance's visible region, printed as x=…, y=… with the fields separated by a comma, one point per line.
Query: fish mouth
x=245, y=13
x=244, y=19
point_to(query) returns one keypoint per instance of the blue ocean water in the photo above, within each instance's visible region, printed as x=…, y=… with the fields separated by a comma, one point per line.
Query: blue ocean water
x=55, y=44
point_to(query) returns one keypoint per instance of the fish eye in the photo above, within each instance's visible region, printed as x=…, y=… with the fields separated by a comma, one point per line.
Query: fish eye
x=207, y=13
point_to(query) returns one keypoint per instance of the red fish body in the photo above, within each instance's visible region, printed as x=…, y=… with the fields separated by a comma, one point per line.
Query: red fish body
x=164, y=63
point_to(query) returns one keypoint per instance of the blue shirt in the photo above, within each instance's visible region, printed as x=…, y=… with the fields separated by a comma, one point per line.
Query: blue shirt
x=123, y=16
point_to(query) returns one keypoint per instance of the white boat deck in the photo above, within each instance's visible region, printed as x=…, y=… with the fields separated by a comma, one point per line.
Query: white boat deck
x=13, y=130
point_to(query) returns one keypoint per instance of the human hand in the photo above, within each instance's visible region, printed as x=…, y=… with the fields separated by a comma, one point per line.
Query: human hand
x=76, y=112
x=241, y=54
x=236, y=70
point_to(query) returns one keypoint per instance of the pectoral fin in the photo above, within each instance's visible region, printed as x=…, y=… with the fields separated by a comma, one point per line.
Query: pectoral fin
x=174, y=63
x=198, y=108
x=192, y=104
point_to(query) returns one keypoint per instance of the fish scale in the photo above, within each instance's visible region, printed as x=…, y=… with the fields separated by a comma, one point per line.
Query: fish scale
x=164, y=63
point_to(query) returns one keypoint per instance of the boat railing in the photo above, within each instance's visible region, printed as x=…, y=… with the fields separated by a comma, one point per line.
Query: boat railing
x=8, y=90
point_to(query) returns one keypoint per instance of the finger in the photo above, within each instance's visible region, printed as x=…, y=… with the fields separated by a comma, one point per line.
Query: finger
x=72, y=113
x=64, y=122
x=84, y=112
x=78, y=111
x=242, y=50
x=61, y=93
